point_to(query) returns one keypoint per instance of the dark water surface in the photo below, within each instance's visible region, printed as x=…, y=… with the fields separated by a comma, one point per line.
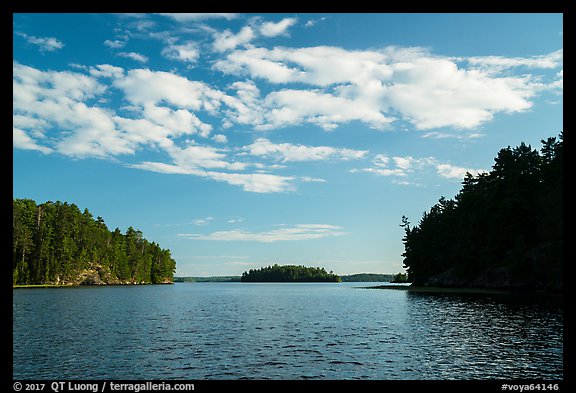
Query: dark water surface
x=282, y=331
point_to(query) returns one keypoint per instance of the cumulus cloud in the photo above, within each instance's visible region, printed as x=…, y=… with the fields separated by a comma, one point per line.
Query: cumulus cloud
x=48, y=100
x=58, y=99
x=289, y=107
x=227, y=40
x=271, y=29
x=220, y=138
x=294, y=233
x=45, y=44
x=187, y=52
x=106, y=71
x=70, y=113
x=201, y=156
x=134, y=56
x=286, y=152
x=192, y=17
x=408, y=166
x=115, y=44
x=456, y=172
x=21, y=140
x=381, y=86
x=143, y=86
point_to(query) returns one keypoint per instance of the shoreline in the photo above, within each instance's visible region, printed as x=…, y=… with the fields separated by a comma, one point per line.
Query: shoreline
x=18, y=286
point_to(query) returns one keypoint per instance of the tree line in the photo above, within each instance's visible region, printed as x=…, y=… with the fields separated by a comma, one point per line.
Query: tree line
x=55, y=243
x=504, y=226
x=289, y=273
x=367, y=277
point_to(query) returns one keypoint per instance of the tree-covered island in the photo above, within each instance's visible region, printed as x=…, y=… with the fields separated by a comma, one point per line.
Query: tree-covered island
x=54, y=243
x=289, y=273
x=503, y=230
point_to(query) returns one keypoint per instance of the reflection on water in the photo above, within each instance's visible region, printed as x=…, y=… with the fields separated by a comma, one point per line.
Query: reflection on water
x=282, y=331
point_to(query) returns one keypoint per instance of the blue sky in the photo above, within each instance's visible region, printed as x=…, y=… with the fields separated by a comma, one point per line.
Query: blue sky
x=243, y=140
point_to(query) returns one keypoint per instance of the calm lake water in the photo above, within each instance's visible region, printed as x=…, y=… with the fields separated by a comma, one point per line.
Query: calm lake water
x=282, y=331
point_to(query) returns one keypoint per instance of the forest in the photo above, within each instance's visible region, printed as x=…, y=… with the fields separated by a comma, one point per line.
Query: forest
x=289, y=273
x=56, y=243
x=504, y=228
x=367, y=277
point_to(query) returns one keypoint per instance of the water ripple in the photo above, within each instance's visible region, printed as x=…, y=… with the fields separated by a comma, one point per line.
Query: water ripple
x=275, y=331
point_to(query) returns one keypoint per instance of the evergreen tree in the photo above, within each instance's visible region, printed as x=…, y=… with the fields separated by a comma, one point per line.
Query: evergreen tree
x=508, y=220
x=54, y=243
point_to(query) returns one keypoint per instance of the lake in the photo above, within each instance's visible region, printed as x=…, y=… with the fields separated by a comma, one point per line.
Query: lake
x=282, y=331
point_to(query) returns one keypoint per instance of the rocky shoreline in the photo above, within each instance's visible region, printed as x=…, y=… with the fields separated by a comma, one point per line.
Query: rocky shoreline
x=95, y=276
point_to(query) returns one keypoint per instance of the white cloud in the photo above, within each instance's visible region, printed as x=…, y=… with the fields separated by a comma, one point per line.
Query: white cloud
x=246, y=107
x=143, y=86
x=498, y=63
x=45, y=44
x=455, y=172
x=202, y=221
x=403, y=167
x=285, y=152
x=161, y=167
x=34, y=125
x=433, y=93
x=21, y=140
x=309, y=179
x=187, y=53
x=320, y=66
x=220, y=138
x=255, y=182
x=198, y=156
x=69, y=113
x=107, y=71
x=250, y=182
x=294, y=233
x=227, y=40
x=57, y=99
x=380, y=86
x=134, y=56
x=271, y=29
x=289, y=107
x=313, y=22
x=115, y=44
x=191, y=17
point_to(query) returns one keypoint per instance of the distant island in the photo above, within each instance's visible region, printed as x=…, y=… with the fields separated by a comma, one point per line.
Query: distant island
x=358, y=277
x=503, y=230
x=289, y=273
x=367, y=277
x=208, y=279
x=54, y=243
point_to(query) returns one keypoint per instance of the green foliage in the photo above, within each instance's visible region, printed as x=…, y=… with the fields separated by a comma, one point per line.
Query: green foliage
x=367, y=277
x=400, y=278
x=55, y=242
x=208, y=279
x=289, y=273
x=508, y=220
